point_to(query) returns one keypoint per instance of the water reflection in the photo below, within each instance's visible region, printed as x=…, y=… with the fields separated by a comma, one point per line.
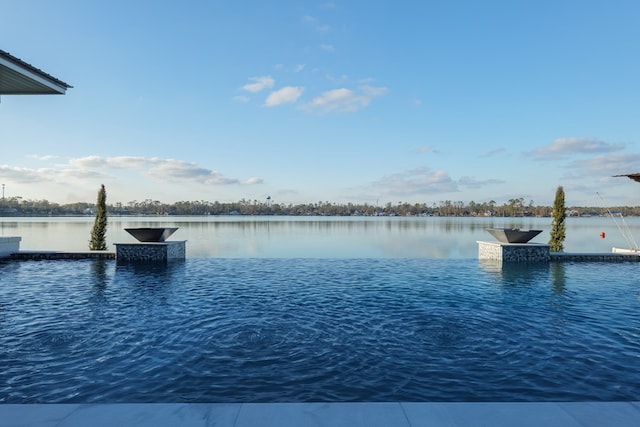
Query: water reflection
x=515, y=273
x=149, y=285
x=151, y=269
x=316, y=237
x=100, y=279
x=558, y=277
x=99, y=272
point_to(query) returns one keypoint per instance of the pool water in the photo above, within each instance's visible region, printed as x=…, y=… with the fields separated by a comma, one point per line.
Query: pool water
x=309, y=330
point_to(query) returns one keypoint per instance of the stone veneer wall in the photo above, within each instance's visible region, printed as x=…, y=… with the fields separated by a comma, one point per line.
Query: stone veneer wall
x=595, y=257
x=9, y=245
x=53, y=255
x=176, y=250
x=150, y=252
x=513, y=252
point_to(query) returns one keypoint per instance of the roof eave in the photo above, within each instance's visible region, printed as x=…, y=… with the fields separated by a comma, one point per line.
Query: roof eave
x=633, y=176
x=26, y=79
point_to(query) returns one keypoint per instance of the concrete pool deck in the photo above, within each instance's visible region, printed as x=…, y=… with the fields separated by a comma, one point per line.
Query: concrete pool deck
x=366, y=414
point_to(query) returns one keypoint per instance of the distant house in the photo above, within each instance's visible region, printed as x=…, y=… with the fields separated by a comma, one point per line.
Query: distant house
x=20, y=78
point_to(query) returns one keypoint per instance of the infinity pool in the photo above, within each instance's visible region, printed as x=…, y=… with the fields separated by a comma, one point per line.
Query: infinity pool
x=308, y=330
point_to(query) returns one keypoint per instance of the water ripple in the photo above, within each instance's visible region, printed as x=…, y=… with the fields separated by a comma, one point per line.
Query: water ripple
x=267, y=330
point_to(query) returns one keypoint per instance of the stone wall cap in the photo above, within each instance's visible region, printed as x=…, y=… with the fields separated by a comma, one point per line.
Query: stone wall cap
x=513, y=244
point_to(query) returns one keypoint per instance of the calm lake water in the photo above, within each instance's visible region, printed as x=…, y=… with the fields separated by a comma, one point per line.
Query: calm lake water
x=319, y=237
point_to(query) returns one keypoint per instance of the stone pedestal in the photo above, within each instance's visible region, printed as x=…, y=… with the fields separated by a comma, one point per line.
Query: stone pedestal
x=514, y=252
x=150, y=251
x=9, y=245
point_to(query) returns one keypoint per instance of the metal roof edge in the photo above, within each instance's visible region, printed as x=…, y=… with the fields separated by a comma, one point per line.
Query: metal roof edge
x=19, y=62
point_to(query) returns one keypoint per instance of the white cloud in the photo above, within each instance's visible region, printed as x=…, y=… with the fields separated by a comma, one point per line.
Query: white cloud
x=118, y=162
x=254, y=181
x=103, y=168
x=563, y=147
x=334, y=99
x=297, y=68
x=345, y=100
x=259, y=83
x=604, y=165
x=169, y=170
x=63, y=175
x=67, y=174
x=286, y=95
x=494, y=152
x=22, y=175
x=471, y=182
x=43, y=158
x=419, y=181
x=327, y=47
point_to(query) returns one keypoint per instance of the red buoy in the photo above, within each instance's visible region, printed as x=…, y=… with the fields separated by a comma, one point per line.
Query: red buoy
x=602, y=235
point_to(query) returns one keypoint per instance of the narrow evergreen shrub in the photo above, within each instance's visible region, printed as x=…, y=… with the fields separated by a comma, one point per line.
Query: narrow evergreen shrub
x=98, y=240
x=558, y=225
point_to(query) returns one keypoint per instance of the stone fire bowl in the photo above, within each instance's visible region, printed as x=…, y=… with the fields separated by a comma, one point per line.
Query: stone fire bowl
x=513, y=235
x=151, y=234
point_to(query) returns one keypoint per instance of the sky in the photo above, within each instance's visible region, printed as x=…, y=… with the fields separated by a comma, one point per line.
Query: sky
x=309, y=101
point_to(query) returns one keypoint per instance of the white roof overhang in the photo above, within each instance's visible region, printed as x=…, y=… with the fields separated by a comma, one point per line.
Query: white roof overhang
x=20, y=78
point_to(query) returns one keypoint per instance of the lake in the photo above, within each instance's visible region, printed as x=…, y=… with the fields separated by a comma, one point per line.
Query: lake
x=319, y=237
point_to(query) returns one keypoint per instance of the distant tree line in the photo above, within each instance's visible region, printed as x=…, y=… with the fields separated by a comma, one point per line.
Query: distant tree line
x=17, y=206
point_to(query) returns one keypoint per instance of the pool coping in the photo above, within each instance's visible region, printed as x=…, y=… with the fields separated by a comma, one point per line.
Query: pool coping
x=60, y=255
x=370, y=414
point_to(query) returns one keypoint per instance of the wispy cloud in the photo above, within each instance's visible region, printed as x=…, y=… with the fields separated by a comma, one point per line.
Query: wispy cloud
x=494, y=152
x=313, y=23
x=296, y=68
x=470, y=182
x=607, y=165
x=563, y=147
x=286, y=95
x=44, y=158
x=327, y=48
x=345, y=100
x=96, y=167
x=259, y=83
x=415, y=182
x=120, y=162
x=425, y=149
x=159, y=169
x=253, y=181
x=21, y=175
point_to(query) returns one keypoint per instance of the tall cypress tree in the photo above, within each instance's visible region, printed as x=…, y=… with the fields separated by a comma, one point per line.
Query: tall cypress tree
x=558, y=226
x=98, y=240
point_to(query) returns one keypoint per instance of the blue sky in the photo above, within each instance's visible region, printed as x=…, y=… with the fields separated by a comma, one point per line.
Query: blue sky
x=342, y=101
